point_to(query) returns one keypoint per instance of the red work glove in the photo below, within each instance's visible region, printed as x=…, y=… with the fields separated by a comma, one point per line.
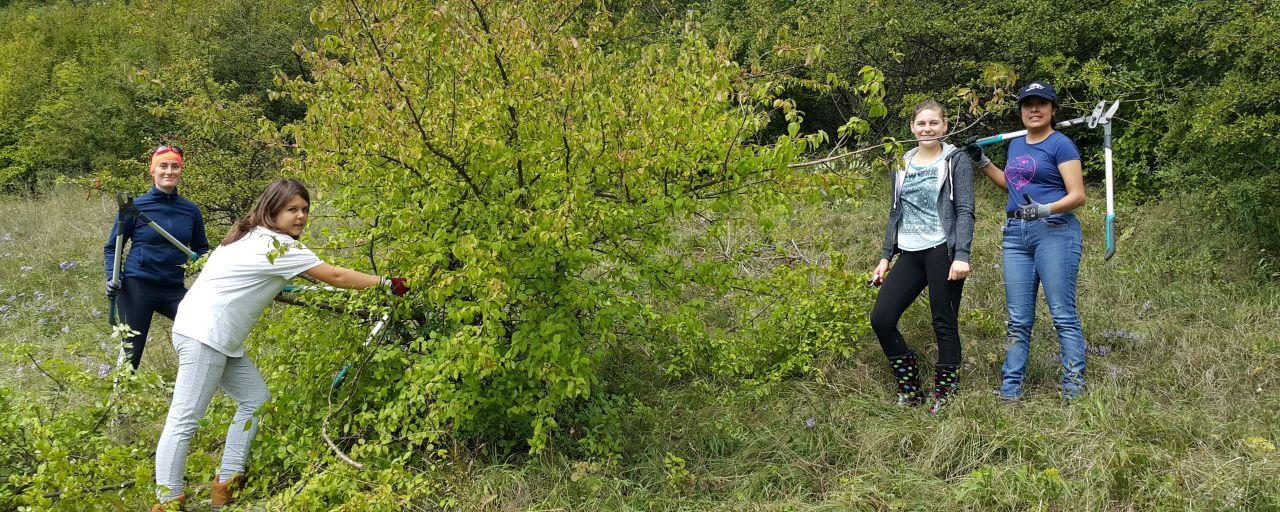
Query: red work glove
x=398, y=285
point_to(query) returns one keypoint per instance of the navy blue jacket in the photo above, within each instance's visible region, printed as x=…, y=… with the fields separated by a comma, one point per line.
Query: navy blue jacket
x=152, y=258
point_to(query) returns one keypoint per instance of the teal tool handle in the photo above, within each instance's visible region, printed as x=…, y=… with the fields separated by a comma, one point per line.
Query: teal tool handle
x=1111, y=237
x=989, y=141
x=342, y=374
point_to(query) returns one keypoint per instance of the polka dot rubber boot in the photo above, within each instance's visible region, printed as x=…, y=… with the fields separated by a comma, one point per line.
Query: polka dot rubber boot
x=906, y=373
x=945, y=380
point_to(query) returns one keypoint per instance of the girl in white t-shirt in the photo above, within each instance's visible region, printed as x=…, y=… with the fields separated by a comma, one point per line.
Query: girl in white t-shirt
x=215, y=317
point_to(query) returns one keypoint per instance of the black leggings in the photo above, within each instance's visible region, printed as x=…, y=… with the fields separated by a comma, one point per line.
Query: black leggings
x=138, y=300
x=914, y=271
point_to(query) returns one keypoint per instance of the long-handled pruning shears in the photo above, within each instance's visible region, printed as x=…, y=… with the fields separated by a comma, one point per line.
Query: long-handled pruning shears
x=113, y=312
x=132, y=209
x=1101, y=115
x=1105, y=121
x=373, y=333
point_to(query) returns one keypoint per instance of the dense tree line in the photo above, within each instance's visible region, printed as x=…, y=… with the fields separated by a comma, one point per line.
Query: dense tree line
x=1200, y=80
x=86, y=89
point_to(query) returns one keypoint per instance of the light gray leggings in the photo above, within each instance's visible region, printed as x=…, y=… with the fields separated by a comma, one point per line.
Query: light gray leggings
x=201, y=371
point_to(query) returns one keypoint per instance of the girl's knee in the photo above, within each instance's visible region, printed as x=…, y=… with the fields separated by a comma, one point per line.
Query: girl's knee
x=256, y=399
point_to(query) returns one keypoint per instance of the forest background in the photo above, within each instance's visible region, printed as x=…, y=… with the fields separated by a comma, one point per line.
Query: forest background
x=629, y=297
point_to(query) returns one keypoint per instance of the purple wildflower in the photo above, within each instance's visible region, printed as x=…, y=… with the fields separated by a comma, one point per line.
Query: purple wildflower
x=103, y=369
x=5, y=308
x=66, y=329
x=1100, y=350
x=809, y=423
x=25, y=269
x=95, y=313
x=67, y=265
x=38, y=295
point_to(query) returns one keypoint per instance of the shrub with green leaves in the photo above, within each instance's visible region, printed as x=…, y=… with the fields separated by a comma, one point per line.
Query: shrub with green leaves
x=521, y=164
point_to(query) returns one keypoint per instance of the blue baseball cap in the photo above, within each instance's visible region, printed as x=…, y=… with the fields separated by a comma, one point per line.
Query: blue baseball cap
x=1039, y=90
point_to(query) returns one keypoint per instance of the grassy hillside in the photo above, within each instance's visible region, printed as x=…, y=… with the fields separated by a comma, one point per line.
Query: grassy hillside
x=1183, y=410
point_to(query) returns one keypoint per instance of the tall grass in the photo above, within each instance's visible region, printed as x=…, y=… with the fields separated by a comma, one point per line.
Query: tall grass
x=1182, y=412
x=51, y=257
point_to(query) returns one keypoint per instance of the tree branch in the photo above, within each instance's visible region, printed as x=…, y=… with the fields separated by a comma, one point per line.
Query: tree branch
x=413, y=111
x=61, y=386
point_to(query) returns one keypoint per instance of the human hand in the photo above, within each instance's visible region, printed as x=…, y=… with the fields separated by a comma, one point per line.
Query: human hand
x=975, y=152
x=113, y=289
x=1032, y=210
x=398, y=285
x=877, y=275
x=959, y=271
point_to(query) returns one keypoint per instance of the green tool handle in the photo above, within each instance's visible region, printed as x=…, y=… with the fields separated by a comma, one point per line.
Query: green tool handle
x=342, y=374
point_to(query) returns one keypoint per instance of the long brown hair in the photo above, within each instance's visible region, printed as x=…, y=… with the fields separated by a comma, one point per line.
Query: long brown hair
x=272, y=200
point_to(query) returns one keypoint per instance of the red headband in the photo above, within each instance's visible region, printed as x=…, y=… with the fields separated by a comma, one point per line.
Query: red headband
x=166, y=153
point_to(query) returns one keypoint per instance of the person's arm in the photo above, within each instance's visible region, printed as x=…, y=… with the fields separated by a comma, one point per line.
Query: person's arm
x=886, y=250
x=109, y=250
x=1073, y=178
x=343, y=277
x=122, y=226
x=199, y=240
x=962, y=181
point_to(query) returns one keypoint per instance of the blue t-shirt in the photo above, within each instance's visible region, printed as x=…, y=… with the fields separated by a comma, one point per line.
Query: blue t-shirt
x=1032, y=169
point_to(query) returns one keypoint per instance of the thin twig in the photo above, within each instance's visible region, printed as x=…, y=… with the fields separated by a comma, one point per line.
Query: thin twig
x=812, y=163
x=113, y=487
x=61, y=386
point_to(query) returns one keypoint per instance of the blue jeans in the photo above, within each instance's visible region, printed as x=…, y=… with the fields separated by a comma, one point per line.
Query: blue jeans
x=1042, y=251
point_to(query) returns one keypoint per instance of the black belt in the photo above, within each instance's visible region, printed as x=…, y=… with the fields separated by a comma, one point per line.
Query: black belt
x=1011, y=215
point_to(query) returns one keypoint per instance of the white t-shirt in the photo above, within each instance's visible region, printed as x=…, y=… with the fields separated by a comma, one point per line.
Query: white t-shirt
x=236, y=285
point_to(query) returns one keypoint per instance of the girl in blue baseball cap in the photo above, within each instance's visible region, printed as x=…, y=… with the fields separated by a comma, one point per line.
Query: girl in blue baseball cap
x=1042, y=237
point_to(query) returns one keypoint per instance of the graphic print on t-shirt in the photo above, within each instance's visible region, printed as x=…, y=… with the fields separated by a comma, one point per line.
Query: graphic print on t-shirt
x=1020, y=171
x=920, y=228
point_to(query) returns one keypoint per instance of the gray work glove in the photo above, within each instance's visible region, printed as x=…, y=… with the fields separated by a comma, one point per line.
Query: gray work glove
x=113, y=289
x=975, y=152
x=1032, y=210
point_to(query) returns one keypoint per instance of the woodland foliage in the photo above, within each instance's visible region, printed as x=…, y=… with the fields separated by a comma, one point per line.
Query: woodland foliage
x=581, y=193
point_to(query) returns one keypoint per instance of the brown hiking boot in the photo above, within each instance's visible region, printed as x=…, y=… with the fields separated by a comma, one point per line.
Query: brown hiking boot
x=179, y=503
x=223, y=493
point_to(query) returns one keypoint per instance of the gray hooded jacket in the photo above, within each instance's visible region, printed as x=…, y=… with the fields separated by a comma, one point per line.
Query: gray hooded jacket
x=955, y=204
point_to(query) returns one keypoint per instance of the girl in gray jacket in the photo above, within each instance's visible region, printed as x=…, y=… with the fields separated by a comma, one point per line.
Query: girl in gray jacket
x=930, y=228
